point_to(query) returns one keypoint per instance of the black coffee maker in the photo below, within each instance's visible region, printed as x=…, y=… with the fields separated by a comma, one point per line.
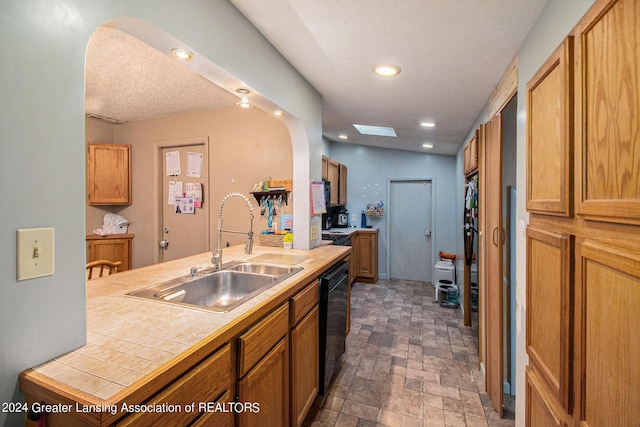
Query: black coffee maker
x=340, y=217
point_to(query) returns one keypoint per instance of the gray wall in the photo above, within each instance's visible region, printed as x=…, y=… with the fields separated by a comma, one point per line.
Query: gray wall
x=369, y=168
x=43, y=162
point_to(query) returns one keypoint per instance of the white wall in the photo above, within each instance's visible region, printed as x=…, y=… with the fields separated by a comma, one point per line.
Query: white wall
x=42, y=138
x=369, y=168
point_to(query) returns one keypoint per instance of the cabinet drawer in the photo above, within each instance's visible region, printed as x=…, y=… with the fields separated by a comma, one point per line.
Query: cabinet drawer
x=303, y=302
x=203, y=383
x=261, y=338
x=217, y=418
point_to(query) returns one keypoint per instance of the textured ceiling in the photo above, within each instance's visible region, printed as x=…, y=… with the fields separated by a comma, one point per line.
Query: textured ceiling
x=452, y=54
x=127, y=80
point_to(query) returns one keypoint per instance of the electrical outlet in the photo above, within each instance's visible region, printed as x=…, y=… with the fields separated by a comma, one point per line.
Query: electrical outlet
x=354, y=218
x=34, y=253
x=314, y=232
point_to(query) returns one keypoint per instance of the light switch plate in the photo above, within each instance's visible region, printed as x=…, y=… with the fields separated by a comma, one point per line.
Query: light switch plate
x=34, y=253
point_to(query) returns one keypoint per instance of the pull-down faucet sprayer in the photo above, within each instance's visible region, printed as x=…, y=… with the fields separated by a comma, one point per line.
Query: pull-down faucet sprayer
x=217, y=255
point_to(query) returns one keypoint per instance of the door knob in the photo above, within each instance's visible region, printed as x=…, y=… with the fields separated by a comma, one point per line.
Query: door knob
x=428, y=233
x=164, y=243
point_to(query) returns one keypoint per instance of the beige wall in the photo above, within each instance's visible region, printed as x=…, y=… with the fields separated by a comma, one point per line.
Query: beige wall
x=244, y=146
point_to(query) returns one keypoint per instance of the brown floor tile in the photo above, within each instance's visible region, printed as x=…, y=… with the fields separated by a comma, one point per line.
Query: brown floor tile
x=409, y=363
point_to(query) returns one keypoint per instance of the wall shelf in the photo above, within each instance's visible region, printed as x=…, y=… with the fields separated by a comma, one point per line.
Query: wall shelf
x=259, y=195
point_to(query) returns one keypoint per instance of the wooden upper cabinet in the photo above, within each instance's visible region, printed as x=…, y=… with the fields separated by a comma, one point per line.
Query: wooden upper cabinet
x=333, y=175
x=109, y=174
x=549, y=135
x=608, y=118
x=471, y=155
x=342, y=187
x=325, y=168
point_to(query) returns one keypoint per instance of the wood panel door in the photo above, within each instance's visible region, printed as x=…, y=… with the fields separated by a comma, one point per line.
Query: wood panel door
x=494, y=263
x=608, y=120
x=607, y=334
x=186, y=233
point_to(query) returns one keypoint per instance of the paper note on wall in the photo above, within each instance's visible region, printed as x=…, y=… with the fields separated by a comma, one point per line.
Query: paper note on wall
x=185, y=205
x=194, y=189
x=318, y=205
x=194, y=164
x=175, y=190
x=173, y=163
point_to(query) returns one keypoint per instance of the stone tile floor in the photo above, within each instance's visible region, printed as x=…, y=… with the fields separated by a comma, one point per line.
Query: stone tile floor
x=409, y=362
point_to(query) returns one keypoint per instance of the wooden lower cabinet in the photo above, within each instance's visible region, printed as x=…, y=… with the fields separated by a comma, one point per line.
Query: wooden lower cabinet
x=216, y=418
x=263, y=371
x=304, y=366
x=542, y=409
x=608, y=337
x=115, y=247
x=267, y=384
x=364, y=246
x=203, y=383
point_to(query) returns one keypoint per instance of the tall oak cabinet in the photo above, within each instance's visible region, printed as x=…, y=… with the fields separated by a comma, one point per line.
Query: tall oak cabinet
x=583, y=240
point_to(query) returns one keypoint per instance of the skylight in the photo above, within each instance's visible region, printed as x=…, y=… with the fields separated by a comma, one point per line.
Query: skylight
x=375, y=130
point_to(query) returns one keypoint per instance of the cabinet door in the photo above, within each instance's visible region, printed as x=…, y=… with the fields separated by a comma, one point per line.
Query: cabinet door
x=109, y=174
x=325, y=168
x=549, y=281
x=111, y=250
x=342, y=188
x=268, y=385
x=333, y=176
x=541, y=409
x=608, y=119
x=607, y=334
x=365, y=254
x=304, y=366
x=549, y=135
x=471, y=155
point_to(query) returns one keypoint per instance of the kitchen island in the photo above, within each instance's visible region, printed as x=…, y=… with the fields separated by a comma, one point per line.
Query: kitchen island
x=143, y=356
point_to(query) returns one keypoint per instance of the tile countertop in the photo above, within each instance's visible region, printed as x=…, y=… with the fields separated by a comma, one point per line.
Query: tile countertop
x=131, y=339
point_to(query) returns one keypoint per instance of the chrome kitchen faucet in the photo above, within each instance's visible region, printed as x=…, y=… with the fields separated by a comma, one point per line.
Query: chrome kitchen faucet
x=217, y=255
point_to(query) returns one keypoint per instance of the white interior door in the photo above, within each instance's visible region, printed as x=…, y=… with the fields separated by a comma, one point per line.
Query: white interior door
x=410, y=232
x=184, y=234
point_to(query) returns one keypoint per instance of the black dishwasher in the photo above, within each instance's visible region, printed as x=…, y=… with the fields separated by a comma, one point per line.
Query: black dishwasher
x=333, y=320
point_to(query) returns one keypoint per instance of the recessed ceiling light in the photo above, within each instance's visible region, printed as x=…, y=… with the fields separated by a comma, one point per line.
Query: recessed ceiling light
x=182, y=54
x=343, y=136
x=427, y=145
x=386, y=70
x=375, y=130
x=278, y=113
x=427, y=124
x=244, y=101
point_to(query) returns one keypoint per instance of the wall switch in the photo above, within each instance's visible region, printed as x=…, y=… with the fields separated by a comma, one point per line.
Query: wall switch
x=314, y=232
x=354, y=218
x=34, y=253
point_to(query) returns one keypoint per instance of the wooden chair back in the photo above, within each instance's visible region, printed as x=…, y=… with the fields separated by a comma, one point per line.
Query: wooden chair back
x=101, y=268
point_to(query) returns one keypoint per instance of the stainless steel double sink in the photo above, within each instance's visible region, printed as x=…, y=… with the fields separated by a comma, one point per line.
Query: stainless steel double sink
x=219, y=290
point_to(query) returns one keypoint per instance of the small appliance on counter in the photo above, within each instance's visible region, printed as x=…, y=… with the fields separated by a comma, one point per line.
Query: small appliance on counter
x=341, y=217
x=327, y=217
